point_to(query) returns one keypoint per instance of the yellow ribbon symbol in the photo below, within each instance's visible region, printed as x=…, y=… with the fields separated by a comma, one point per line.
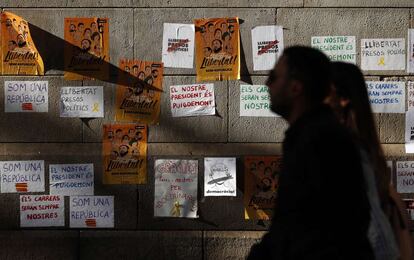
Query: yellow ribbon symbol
x=381, y=61
x=176, y=211
x=95, y=107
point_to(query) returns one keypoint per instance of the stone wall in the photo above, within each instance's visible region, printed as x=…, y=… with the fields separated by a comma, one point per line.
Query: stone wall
x=136, y=31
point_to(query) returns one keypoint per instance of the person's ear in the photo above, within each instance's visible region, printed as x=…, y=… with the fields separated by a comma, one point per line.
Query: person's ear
x=344, y=102
x=296, y=88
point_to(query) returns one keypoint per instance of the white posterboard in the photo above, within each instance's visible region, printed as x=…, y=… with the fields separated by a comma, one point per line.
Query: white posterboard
x=84, y=102
x=26, y=96
x=91, y=211
x=383, y=54
x=42, y=211
x=267, y=46
x=255, y=101
x=71, y=179
x=192, y=100
x=22, y=176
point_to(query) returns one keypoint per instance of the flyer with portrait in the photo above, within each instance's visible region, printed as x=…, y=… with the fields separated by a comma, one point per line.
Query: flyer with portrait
x=261, y=174
x=18, y=52
x=86, y=54
x=140, y=100
x=125, y=154
x=217, y=49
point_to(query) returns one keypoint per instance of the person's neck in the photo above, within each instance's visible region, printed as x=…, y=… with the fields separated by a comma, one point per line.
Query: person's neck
x=298, y=110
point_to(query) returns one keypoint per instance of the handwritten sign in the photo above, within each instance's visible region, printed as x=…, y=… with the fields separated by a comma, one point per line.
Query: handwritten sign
x=81, y=102
x=267, y=45
x=337, y=48
x=255, y=101
x=220, y=177
x=71, y=179
x=178, y=45
x=383, y=54
x=405, y=176
x=22, y=176
x=91, y=212
x=175, y=188
x=386, y=96
x=42, y=211
x=410, y=52
x=26, y=96
x=192, y=100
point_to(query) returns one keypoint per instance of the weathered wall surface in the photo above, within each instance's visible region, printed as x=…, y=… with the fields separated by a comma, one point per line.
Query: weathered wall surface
x=136, y=31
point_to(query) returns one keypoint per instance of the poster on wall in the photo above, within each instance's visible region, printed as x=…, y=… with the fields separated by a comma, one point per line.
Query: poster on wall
x=220, y=177
x=86, y=54
x=261, y=175
x=71, y=179
x=410, y=95
x=405, y=176
x=18, y=52
x=409, y=205
x=82, y=102
x=409, y=131
x=139, y=101
x=383, y=54
x=124, y=154
x=192, y=100
x=91, y=211
x=175, y=188
x=42, y=211
x=410, y=51
x=267, y=45
x=217, y=49
x=22, y=176
x=337, y=48
x=178, y=45
x=26, y=96
x=386, y=96
x=255, y=101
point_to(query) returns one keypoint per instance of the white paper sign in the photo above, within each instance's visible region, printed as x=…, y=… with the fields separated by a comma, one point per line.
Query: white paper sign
x=192, y=100
x=410, y=95
x=410, y=52
x=405, y=176
x=255, y=101
x=337, y=48
x=42, y=211
x=178, y=45
x=175, y=188
x=71, y=179
x=81, y=102
x=267, y=45
x=220, y=177
x=26, y=96
x=383, y=54
x=91, y=211
x=409, y=131
x=386, y=96
x=22, y=176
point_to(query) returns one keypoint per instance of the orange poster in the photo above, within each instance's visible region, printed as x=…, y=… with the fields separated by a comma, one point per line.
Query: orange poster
x=125, y=154
x=261, y=174
x=217, y=49
x=19, y=55
x=140, y=100
x=87, y=50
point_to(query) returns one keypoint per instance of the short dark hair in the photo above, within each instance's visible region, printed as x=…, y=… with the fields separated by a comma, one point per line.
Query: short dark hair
x=312, y=68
